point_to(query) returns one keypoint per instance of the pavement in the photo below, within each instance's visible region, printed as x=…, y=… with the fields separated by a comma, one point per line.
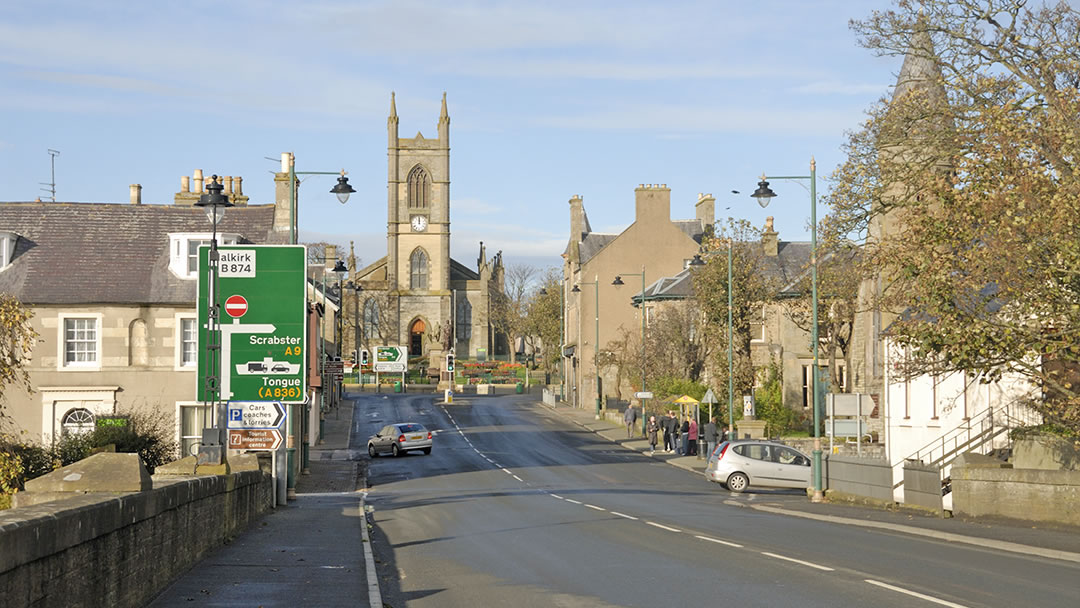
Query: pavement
x=1032, y=538
x=314, y=551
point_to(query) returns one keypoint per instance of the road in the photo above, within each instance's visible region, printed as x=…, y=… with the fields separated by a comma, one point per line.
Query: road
x=518, y=507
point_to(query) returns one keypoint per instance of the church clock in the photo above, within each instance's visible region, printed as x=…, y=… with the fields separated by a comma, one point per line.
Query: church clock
x=419, y=223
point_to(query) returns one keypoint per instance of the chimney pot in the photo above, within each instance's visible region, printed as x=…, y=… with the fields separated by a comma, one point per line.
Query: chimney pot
x=185, y=184
x=228, y=184
x=136, y=194
x=238, y=183
x=285, y=158
x=198, y=179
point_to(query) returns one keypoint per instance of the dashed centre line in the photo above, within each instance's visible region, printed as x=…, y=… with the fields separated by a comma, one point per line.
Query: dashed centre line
x=595, y=507
x=624, y=515
x=798, y=561
x=720, y=542
x=921, y=596
x=663, y=527
x=573, y=501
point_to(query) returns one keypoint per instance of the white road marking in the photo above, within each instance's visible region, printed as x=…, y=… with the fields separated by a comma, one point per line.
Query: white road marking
x=718, y=541
x=663, y=527
x=623, y=515
x=916, y=594
x=573, y=501
x=507, y=471
x=596, y=507
x=797, y=561
x=519, y=479
x=557, y=496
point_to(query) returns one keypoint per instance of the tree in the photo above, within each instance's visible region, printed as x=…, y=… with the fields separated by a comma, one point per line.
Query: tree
x=623, y=354
x=17, y=339
x=751, y=289
x=978, y=174
x=675, y=345
x=509, y=309
x=543, y=318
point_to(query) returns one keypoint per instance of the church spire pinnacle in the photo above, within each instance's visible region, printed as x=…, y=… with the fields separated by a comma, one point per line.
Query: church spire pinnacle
x=443, y=116
x=393, y=106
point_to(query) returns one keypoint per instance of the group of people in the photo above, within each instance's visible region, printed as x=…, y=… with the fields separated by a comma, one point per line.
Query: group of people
x=682, y=438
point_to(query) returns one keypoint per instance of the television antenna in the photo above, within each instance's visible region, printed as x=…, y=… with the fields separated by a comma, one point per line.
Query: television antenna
x=51, y=184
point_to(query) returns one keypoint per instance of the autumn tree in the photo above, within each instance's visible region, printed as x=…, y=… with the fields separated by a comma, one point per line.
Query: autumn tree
x=543, y=318
x=750, y=290
x=978, y=175
x=17, y=339
x=509, y=309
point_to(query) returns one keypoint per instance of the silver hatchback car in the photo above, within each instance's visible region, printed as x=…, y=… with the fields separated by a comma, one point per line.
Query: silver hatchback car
x=399, y=438
x=738, y=464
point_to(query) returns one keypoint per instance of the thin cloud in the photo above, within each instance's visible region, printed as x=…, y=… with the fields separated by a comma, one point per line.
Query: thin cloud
x=841, y=88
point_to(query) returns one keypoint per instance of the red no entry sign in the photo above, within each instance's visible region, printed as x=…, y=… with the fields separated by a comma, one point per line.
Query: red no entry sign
x=236, y=306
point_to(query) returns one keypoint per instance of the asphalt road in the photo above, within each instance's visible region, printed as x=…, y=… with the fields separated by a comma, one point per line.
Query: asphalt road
x=517, y=507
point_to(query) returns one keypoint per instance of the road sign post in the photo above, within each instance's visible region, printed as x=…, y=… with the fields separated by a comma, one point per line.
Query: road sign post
x=264, y=338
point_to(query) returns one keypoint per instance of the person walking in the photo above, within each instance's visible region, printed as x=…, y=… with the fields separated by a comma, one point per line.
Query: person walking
x=710, y=436
x=630, y=417
x=666, y=425
x=651, y=430
x=684, y=437
x=693, y=437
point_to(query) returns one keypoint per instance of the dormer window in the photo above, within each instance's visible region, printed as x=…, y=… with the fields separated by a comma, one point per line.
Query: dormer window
x=184, y=251
x=7, y=248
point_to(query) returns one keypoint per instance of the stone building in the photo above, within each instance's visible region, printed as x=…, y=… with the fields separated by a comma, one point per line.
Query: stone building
x=653, y=246
x=416, y=295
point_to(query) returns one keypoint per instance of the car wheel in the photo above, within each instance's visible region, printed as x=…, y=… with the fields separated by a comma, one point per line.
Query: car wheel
x=371, y=450
x=737, y=482
x=427, y=450
x=395, y=450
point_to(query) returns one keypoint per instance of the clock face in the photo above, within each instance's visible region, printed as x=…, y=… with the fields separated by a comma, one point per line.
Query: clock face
x=419, y=223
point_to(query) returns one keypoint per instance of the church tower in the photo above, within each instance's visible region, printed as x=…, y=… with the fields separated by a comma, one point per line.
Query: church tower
x=418, y=226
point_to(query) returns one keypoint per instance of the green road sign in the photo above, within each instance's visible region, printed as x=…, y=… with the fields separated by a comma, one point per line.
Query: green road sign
x=262, y=297
x=391, y=359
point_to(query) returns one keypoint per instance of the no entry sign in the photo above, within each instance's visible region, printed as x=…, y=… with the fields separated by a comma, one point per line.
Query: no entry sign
x=236, y=306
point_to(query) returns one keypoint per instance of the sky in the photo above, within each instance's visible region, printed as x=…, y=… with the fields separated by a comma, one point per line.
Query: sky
x=546, y=100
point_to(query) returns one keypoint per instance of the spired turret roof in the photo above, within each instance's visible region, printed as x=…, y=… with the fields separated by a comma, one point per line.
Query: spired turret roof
x=920, y=71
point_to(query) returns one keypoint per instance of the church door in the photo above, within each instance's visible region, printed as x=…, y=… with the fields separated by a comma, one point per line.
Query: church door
x=416, y=338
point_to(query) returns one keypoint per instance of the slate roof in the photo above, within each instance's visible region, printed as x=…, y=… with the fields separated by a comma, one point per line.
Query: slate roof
x=791, y=261
x=106, y=253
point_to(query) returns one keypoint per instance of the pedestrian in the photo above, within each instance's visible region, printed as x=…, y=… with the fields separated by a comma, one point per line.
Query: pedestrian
x=651, y=429
x=665, y=425
x=710, y=436
x=693, y=437
x=630, y=417
x=684, y=437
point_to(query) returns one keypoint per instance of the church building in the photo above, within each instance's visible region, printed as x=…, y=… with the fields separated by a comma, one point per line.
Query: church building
x=417, y=296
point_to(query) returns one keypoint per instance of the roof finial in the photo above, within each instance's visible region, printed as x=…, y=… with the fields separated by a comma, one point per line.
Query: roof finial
x=442, y=113
x=393, y=106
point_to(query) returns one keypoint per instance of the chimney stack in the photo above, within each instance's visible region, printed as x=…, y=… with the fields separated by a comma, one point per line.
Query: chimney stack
x=706, y=210
x=652, y=204
x=136, y=194
x=770, y=239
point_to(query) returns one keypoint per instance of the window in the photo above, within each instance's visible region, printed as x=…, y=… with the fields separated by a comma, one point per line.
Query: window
x=371, y=319
x=464, y=318
x=194, y=418
x=807, y=385
x=419, y=188
x=757, y=325
x=79, y=342
x=187, y=342
x=7, y=248
x=184, y=251
x=757, y=451
x=650, y=316
x=418, y=263
x=78, y=421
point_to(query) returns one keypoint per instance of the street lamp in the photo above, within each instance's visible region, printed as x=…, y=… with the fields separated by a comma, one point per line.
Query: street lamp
x=764, y=194
x=596, y=347
x=618, y=282
x=562, y=336
x=341, y=189
x=214, y=203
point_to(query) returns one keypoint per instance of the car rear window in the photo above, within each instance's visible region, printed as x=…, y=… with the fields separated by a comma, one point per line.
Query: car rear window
x=410, y=428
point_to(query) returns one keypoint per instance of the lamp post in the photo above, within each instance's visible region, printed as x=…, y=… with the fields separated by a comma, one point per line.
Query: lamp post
x=764, y=194
x=596, y=347
x=562, y=338
x=618, y=282
x=342, y=188
x=214, y=203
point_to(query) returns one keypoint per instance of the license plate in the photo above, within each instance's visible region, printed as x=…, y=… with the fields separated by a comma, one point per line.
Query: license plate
x=416, y=438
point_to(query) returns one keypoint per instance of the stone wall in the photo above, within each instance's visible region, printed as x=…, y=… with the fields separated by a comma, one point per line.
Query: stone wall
x=862, y=477
x=922, y=486
x=121, y=550
x=1028, y=494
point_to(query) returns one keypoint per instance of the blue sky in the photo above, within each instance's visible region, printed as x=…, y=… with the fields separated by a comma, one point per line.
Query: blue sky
x=546, y=100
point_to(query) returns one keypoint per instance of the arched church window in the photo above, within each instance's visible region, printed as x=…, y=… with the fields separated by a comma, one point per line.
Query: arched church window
x=464, y=318
x=418, y=267
x=419, y=188
x=78, y=421
x=371, y=319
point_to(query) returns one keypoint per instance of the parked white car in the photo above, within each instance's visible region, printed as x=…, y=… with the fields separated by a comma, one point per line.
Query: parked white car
x=741, y=463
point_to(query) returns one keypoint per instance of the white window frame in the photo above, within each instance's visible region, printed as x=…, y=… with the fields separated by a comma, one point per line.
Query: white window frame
x=62, y=363
x=8, y=241
x=760, y=337
x=178, y=347
x=178, y=250
x=180, y=436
